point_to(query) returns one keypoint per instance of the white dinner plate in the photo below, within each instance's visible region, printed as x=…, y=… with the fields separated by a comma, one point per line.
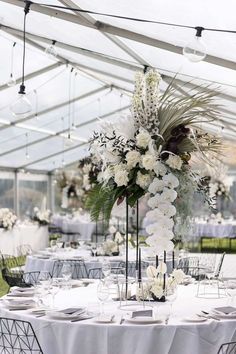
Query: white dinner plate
x=223, y=316
x=20, y=294
x=194, y=319
x=144, y=320
x=21, y=305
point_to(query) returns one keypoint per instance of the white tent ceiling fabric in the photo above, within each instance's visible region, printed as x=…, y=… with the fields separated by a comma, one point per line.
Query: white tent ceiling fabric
x=102, y=61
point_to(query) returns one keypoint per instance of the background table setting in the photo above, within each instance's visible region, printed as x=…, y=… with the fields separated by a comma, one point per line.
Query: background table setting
x=45, y=259
x=77, y=321
x=79, y=225
x=24, y=233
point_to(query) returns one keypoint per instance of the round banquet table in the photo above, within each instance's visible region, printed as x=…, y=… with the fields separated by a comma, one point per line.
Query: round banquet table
x=225, y=229
x=89, y=337
x=81, y=225
x=45, y=260
x=31, y=234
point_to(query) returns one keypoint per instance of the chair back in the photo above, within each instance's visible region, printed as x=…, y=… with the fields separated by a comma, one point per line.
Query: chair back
x=18, y=336
x=227, y=348
x=78, y=268
x=95, y=273
x=219, y=266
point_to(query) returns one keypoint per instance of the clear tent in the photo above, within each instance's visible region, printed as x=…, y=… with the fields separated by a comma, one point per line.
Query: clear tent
x=104, y=53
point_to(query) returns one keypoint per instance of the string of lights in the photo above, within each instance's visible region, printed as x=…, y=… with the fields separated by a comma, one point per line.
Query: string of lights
x=135, y=19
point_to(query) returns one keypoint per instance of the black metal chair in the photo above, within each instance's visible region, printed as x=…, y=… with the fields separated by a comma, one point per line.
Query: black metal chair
x=21, y=279
x=18, y=336
x=78, y=268
x=227, y=348
x=95, y=273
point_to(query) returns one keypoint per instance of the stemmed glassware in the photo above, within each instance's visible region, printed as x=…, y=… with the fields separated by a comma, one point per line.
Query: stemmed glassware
x=102, y=293
x=94, y=249
x=106, y=268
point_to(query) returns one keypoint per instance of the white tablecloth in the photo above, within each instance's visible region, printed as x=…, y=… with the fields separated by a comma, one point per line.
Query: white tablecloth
x=33, y=235
x=78, y=225
x=35, y=263
x=89, y=337
x=214, y=230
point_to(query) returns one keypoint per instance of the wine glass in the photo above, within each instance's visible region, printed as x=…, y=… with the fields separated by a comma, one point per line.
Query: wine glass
x=94, y=249
x=66, y=272
x=106, y=268
x=102, y=294
x=164, y=311
x=53, y=289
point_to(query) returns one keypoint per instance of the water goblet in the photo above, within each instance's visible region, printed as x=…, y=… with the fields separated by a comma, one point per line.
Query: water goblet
x=102, y=294
x=106, y=268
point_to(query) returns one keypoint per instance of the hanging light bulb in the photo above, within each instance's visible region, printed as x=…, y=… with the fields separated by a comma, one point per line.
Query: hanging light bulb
x=51, y=50
x=195, y=50
x=12, y=81
x=22, y=106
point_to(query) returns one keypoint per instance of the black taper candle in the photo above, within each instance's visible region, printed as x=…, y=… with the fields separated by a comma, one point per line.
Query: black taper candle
x=173, y=260
x=139, y=267
x=126, y=248
x=157, y=261
x=137, y=234
x=164, y=276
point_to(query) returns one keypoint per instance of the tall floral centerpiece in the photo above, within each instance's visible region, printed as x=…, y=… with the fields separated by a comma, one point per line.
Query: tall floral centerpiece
x=149, y=153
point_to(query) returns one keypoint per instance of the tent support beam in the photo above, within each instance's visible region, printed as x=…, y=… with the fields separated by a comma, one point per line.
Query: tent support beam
x=50, y=109
x=103, y=58
x=118, y=31
x=34, y=74
x=57, y=134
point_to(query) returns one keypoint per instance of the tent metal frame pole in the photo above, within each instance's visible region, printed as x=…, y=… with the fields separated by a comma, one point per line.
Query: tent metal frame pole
x=53, y=108
x=98, y=56
x=58, y=134
x=118, y=31
x=72, y=147
x=34, y=74
x=53, y=155
x=118, y=42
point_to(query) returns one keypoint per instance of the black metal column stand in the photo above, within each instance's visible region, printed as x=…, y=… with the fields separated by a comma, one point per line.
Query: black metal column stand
x=126, y=249
x=137, y=239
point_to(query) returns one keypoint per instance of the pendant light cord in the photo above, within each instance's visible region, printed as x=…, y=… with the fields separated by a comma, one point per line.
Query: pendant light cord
x=26, y=11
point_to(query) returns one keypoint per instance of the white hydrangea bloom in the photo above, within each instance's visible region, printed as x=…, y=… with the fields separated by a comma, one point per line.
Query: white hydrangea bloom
x=174, y=162
x=121, y=178
x=143, y=180
x=148, y=161
x=143, y=138
x=132, y=158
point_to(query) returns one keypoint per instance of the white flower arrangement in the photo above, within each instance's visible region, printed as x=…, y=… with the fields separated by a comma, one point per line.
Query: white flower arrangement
x=108, y=248
x=156, y=286
x=7, y=219
x=148, y=152
x=42, y=217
